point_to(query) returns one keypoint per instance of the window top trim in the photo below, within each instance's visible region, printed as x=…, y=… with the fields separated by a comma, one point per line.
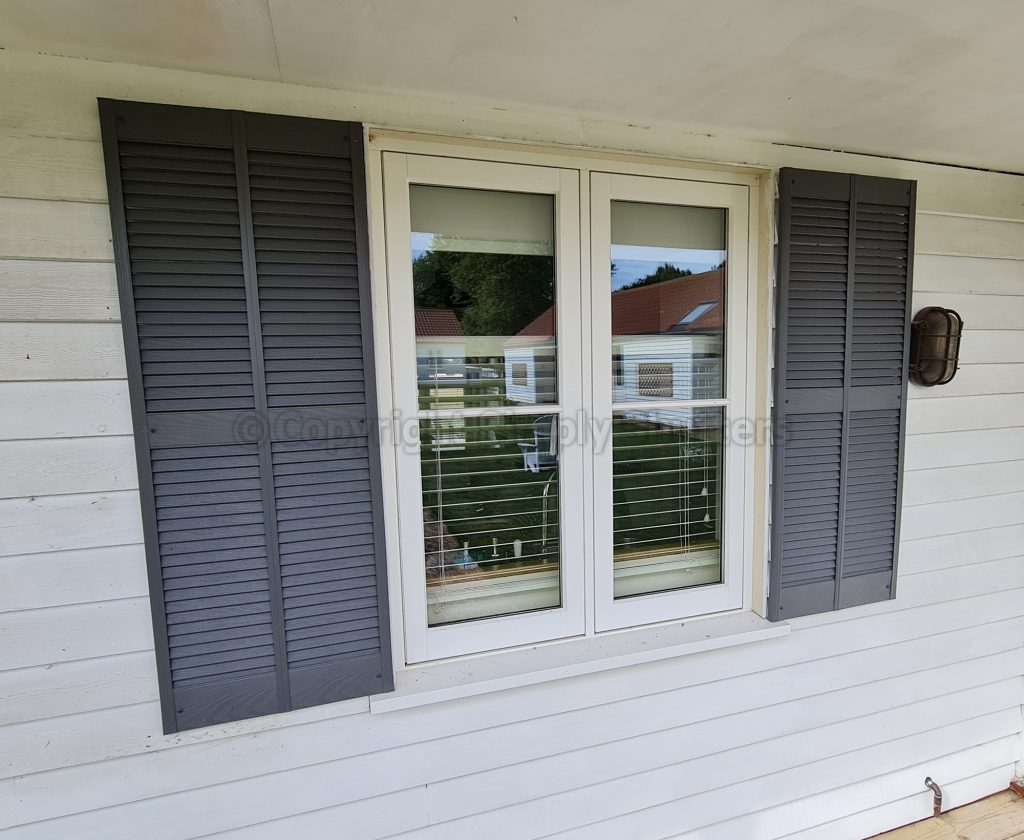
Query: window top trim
x=384, y=139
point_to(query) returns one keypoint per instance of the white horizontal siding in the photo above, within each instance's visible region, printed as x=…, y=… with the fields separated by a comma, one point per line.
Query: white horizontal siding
x=969, y=481
x=951, y=414
x=69, y=465
x=951, y=449
x=45, y=290
x=64, y=523
x=39, y=409
x=969, y=236
x=60, y=578
x=899, y=810
x=977, y=380
x=48, y=350
x=963, y=275
x=825, y=733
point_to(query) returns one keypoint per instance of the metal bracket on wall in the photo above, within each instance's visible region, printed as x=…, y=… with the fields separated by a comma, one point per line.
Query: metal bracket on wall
x=937, y=799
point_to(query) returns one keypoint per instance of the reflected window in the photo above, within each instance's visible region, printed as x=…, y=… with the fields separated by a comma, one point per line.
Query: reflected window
x=697, y=313
x=655, y=379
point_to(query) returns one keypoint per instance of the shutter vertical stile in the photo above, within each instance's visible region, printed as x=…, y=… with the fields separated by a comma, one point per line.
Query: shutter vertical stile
x=878, y=384
x=235, y=285
x=308, y=212
x=842, y=335
x=269, y=500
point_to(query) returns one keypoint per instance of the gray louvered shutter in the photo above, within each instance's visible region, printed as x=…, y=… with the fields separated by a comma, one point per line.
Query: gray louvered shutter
x=240, y=246
x=842, y=336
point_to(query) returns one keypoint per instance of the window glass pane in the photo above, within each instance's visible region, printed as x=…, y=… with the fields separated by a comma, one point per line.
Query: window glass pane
x=484, y=287
x=668, y=301
x=667, y=492
x=490, y=515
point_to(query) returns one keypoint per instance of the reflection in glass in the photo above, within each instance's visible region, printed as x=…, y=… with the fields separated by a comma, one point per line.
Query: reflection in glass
x=484, y=290
x=667, y=491
x=668, y=301
x=490, y=515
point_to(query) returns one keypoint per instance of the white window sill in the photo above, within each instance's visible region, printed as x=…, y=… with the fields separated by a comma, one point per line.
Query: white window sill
x=435, y=682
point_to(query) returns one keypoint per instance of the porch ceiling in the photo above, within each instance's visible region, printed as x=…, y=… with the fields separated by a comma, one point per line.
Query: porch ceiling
x=931, y=79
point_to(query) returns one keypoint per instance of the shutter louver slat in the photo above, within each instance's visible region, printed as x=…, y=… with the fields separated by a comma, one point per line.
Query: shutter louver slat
x=313, y=358
x=845, y=253
x=172, y=308
x=241, y=268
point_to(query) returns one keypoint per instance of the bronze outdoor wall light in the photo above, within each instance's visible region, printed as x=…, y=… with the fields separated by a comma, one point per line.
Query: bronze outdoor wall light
x=935, y=345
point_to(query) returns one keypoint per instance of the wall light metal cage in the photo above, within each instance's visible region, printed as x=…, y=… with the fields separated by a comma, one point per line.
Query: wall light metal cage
x=935, y=345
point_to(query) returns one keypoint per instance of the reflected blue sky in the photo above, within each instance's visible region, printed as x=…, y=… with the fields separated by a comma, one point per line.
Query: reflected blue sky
x=632, y=262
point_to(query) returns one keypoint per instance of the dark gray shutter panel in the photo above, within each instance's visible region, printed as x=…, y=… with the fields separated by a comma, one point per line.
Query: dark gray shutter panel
x=842, y=338
x=240, y=245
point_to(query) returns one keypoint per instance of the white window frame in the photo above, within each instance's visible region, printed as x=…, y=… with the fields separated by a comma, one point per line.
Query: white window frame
x=401, y=171
x=415, y=650
x=611, y=613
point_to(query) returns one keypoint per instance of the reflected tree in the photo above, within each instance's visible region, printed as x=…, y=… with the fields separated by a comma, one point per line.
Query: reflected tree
x=492, y=294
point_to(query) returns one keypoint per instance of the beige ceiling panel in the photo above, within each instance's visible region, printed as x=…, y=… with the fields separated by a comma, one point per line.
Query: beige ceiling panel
x=233, y=37
x=919, y=79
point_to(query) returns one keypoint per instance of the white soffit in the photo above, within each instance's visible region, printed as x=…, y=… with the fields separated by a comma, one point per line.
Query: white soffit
x=930, y=79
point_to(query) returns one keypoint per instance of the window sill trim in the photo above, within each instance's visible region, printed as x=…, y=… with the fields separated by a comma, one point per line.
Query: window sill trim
x=436, y=682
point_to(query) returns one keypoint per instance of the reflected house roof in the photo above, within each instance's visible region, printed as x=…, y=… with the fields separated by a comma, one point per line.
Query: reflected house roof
x=437, y=323
x=658, y=308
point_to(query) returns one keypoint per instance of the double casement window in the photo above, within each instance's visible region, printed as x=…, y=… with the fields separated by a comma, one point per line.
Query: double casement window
x=569, y=353
x=527, y=376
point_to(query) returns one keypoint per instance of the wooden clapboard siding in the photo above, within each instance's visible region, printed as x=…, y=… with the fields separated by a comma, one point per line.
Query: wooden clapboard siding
x=950, y=550
x=978, y=380
x=59, y=466
x=904, y=810
x=74, y=632
x=39, y=351
x=61, y=578
x=305, y=745
x=968, y=413
x=41, y=692
x=982, y=312
x=949, y=449
x=968, y=481
x=994, y=347
x=798, y=815
x=970, y=236
x=33, y=410
x=61, y=230
x=963, y=516
x=968, y=275
x=825, y=733
x=63, y=523
x=933, y=640
x=58, y=290
x=52, y=168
